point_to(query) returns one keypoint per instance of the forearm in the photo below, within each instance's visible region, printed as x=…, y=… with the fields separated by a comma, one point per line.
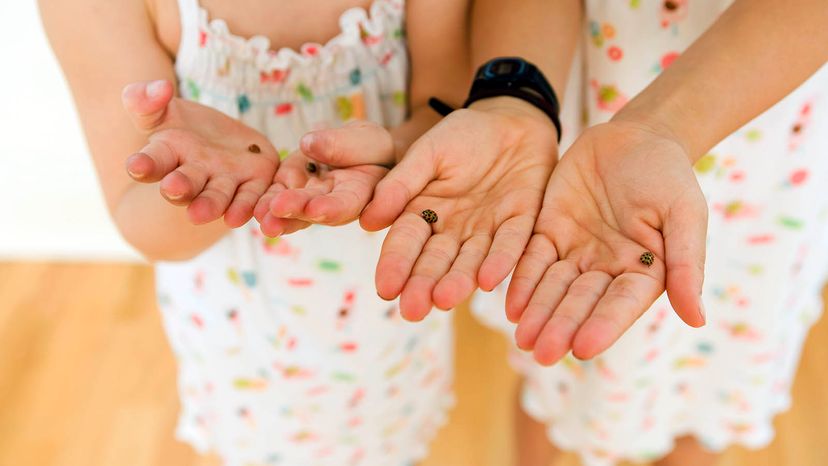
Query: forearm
x=754, y=55
x=544, y=32
x=159, y=230
x=89, y=38
x=436, y=71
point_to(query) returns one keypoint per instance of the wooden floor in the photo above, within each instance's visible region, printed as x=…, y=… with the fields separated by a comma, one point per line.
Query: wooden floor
x=87, y=379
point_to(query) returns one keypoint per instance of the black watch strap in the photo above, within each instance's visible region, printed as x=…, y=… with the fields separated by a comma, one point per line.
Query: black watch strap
x=528, y=85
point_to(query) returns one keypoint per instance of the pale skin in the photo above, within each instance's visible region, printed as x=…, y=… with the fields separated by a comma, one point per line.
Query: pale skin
x=627, y=186
x=636, y=191
x=588, y=256
x=213, y=174
x=624, y=188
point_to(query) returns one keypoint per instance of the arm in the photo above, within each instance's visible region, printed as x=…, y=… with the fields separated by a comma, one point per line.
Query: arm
x=103, y=46
x=756, y=53
x=442, y=72
x=482, y=169
x=360, y=151
x=544, y=32
x=628, y=186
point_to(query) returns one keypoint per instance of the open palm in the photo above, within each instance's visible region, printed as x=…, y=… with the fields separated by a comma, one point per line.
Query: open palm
x=483, y=173
x=211, y=163
x=619, y=192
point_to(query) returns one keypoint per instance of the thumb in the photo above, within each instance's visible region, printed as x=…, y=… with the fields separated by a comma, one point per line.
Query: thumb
x=402, y=184
x=358, y=143
x=685, y=235
x=146, y=102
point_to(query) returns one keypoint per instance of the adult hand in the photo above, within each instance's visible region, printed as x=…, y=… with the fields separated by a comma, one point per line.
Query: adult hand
x=621, y=190
x=482, y=171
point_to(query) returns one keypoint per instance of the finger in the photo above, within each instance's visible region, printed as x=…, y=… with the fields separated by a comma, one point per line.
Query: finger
x=626, y=298
x=550, y=291
x=290, y=203
x=338, y=207
x=146, y=102
x=539, y=255
x=273, y=227
x=434, y=262
x=293, y=173
x=507, y=247
x=402, y=246
x=404, y=182
x=183, y=184
x=152, y=163
x=461, y=280
x=243, y=204
x=685, y=235
x=346, y=200
x=296, y=225
x=358, y=143
x=555, y=338
x=213, y=201
x=263, y=205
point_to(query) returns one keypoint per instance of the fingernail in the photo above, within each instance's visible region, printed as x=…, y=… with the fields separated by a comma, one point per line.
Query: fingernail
x=173, y=197
x=155, y=88
x=134, y=175
x=307, y=141
x=702, y=313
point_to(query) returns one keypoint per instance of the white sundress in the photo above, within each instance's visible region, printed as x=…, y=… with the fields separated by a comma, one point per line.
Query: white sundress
x=286, y=355
x=767, y=190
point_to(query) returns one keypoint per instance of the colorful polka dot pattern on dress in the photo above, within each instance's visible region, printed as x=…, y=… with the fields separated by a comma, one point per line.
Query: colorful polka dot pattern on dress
x=767, y=190
x=287, y=357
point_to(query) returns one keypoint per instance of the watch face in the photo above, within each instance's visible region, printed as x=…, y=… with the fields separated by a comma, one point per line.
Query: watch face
x=504, y=67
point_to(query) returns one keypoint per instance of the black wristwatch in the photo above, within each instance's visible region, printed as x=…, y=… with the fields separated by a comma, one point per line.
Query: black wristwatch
x=510, y=76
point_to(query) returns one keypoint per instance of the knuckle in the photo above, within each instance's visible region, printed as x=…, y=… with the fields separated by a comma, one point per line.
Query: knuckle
x=406, y=233
x=612, y=320
x=439, y=254
x=581, y=290
x=565, y=319
x=623, y=288
x=474, y=254
x=526, y=279
x=555, y=280
x=391, y=185
x=534, y=257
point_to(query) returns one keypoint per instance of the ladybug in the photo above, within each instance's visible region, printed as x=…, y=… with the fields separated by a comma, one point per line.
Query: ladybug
x=311, y=167
x=429, y=216
x=254, y=148
x=647, y=258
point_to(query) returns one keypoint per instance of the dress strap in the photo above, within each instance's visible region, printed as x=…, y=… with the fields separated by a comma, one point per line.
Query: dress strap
x=190, y=14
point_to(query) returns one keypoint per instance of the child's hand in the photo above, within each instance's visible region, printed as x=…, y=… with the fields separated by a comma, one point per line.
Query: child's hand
x=329, y=180
x=620, y=191
x=205, y=160
x=482, y=171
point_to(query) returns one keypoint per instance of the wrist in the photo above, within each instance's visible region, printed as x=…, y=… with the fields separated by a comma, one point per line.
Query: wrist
x=666, y=117
x=515, y=107
x=421, y=119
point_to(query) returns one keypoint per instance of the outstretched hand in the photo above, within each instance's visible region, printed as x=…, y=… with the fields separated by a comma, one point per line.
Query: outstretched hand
x=329, y=180
x=205, y=160
x=482, y=171
x=620, y=191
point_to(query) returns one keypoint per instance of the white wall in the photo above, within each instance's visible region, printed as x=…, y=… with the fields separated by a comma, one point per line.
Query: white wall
x=50, y=203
